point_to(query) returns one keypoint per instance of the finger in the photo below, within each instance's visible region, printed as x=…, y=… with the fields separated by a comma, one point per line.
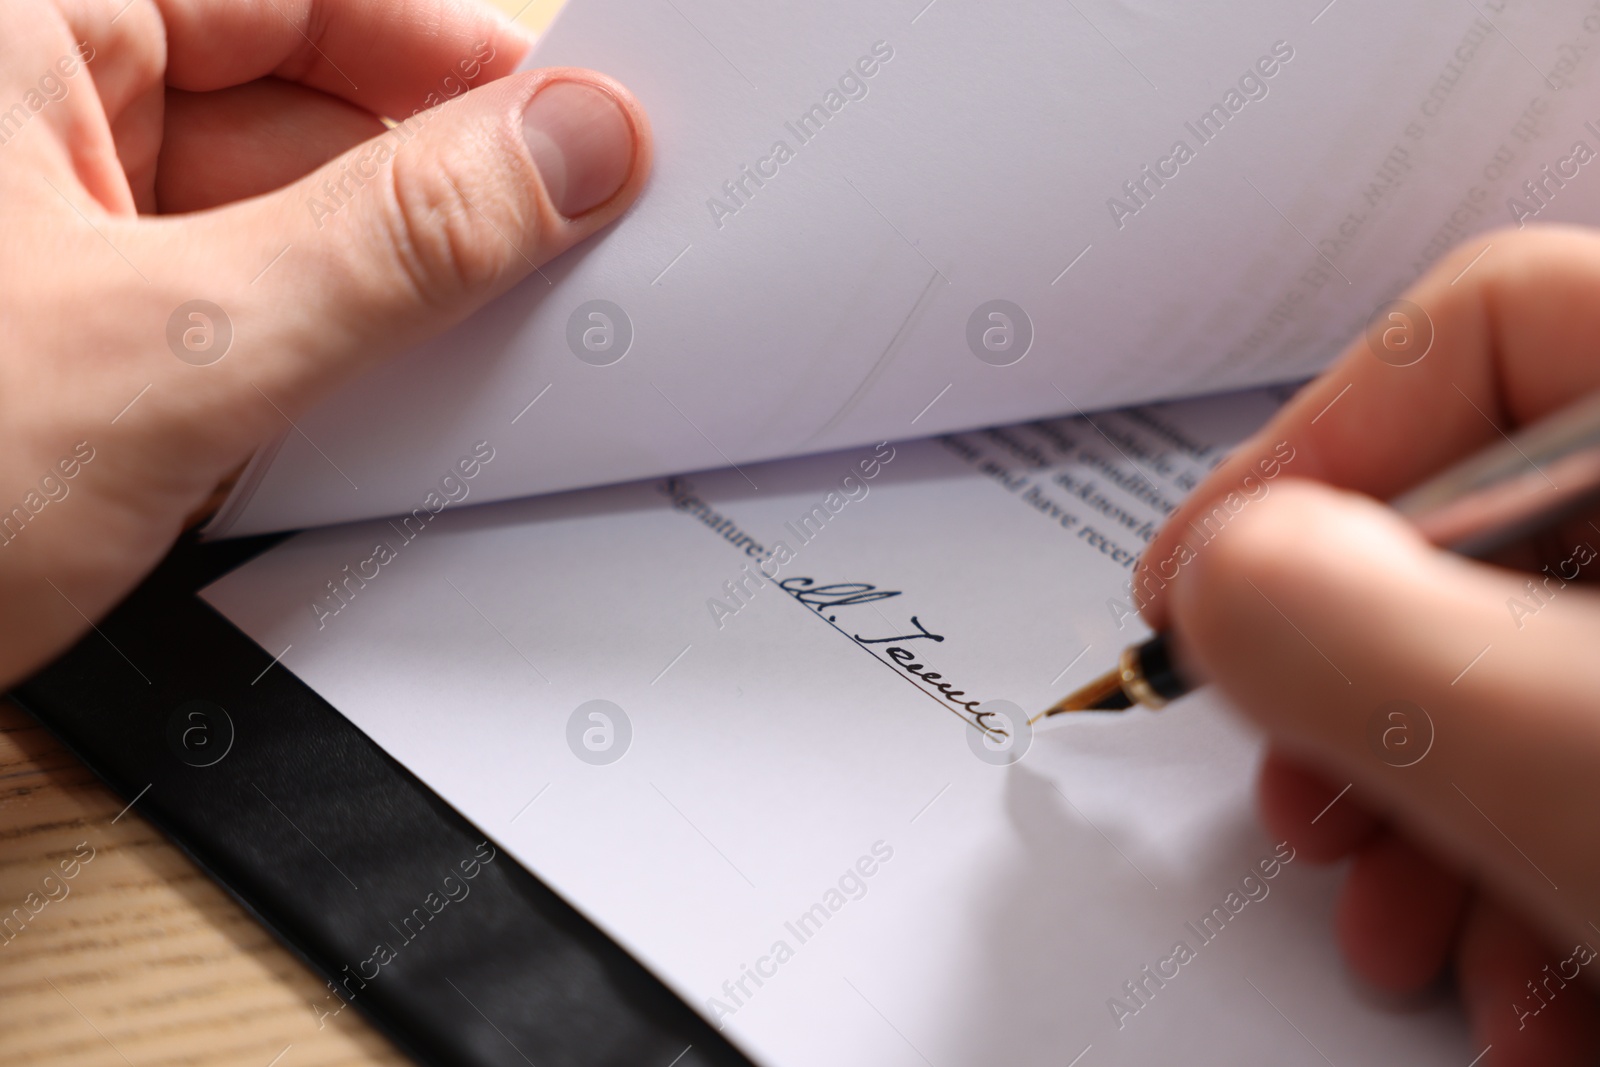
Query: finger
x=66, y=80
x=123, y=45
x=391, y=57
x=1319, y=613
x=1398, y=914
x=1323, y=821
x=241, y=142
x=1521, y=1006
x=409, y=233
x=1511, y=342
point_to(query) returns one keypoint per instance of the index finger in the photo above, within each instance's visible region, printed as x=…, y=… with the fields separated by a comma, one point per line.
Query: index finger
x=1511, y=318
x=392, y=57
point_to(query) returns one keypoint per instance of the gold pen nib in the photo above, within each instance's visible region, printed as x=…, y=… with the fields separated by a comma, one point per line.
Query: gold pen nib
x=1105, y=693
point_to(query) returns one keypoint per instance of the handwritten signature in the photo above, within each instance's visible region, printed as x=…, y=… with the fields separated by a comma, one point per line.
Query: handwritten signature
x=829, y=600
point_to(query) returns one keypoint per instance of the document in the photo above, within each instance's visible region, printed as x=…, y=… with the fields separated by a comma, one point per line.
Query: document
x=873, y=221
x=767, y=727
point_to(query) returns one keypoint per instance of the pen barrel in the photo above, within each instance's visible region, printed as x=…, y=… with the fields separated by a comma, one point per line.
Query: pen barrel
x=1524, y=484
x=1153, y=679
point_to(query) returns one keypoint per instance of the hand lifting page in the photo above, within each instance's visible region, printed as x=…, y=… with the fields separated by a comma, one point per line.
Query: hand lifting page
x=747, y=722
x=876, y=221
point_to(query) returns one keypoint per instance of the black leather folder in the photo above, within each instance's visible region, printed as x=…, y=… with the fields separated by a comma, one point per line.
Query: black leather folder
x=356, y=864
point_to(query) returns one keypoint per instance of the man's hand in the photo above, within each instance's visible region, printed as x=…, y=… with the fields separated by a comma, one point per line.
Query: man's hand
x=208, y=228
x=1329, y=621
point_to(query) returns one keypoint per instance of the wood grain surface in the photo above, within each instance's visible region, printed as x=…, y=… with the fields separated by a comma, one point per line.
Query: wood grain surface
x=137, y=959
x=115, y=949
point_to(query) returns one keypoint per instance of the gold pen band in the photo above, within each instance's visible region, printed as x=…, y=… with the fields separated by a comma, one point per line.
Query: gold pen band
x=1134, y=683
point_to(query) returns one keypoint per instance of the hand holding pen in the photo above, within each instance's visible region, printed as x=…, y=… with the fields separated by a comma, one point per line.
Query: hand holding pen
x=1338, y=627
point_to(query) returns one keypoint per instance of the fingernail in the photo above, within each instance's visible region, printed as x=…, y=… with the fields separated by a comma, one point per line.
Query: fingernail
x=581, y=141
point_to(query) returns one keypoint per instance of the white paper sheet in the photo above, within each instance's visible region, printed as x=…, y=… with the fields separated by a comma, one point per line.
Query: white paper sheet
x=832, y=304
x=791, y=800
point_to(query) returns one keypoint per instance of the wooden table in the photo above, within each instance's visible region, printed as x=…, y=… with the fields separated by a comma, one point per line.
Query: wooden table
x=139, y=959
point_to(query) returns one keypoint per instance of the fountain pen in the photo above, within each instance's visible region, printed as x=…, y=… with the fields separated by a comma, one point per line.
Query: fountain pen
x=1523, y=484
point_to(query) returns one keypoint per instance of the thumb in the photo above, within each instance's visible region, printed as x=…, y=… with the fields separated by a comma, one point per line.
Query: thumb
x=1457, y=697
x=408, y=233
